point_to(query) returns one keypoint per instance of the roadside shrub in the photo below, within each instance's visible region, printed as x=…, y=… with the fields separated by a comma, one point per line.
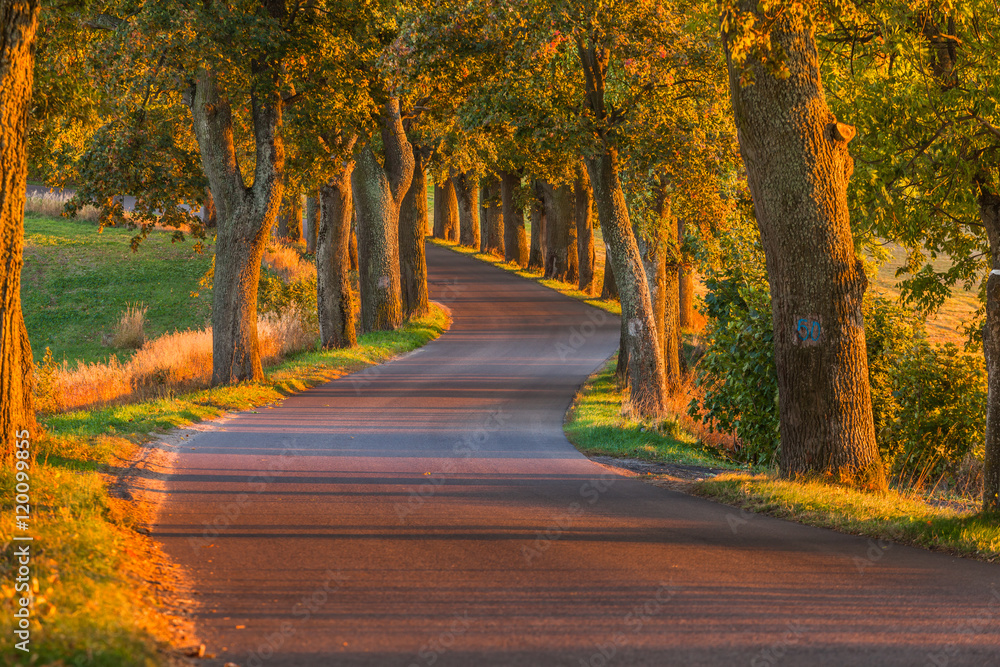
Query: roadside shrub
x=736, y=376
x=46, y=384
x=939, y=429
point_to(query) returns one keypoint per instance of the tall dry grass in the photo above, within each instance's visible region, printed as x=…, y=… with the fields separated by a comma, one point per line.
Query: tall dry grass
x=130, y=330
x=286, y=261
x=175, y=362
x=51, y=204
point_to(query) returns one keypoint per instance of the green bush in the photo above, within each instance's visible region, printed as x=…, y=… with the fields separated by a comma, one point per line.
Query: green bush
x=736, y=375
x=941, y=394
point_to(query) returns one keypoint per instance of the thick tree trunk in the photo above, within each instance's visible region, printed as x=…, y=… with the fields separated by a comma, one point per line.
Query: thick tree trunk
x=989, y=211
x=334, y=292
x=798, y=166
x=686, y=284
x=584, y=197
x=560, y=215
x=467, y=195
x=412, y=230
x=438, y=216
x=18, y=28
x=646, y=381
x=515, y=237
x=246, y=216
x=493, y=217
x=446, y=222
x=310, y=226
x=536, y=254
x=379, y=189
x=609, y=290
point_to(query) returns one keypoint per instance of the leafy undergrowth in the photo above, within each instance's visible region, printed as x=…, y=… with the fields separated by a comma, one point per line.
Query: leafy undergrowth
x=95, y=577
x=538, y=276
x=595, y=425
x=891, y=516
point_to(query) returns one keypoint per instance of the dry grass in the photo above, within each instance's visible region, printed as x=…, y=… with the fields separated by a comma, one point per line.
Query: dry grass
x=287, y=262
x=52, y=204
x=130, y=329
x=180, y=361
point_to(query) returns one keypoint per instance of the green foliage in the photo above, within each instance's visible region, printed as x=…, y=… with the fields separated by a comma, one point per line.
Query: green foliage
x=941, y=393
x=276, y=296
x=890, y=334
x=736, y=375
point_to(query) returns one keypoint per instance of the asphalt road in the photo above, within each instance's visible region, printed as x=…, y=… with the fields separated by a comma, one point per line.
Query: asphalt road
x=431, y=512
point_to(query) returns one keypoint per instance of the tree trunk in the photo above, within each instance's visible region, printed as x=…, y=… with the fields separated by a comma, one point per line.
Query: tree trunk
x=583, y=194
x=290, y=218
x=559, y=216
x=572, y=256
x=989, y=212
x=646, y=381
x=379, y=189
x=446, y=222
x=412, y=230
x=515, y=238
x=209, y=217
x=609, y=290
x=668, y=289
x=686, y=284
x=467, y=195
x=334, y=292
x=246, y=216
x=536, y=255
x=798, y=166
x=18, y=28
x=310, y=226
x=493, y=216
x=353, y=247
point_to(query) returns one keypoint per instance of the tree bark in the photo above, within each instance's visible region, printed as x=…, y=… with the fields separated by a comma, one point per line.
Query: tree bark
x=310, y=225
x=572, y=256
x=989, y=212
x=646, y=379
x=536, y=254
x=378, y=192
x=209, y=217
x=353, y=247
x=583, y=194
x=290, y=218
x=668, y=288
x=412, y=230
x=467, y=195
x=515, y=237
x=493, y=217
x=609, y=290
x=334, y=292
x=445, y=210
x=18, y=29
x=246, y=216
x=686, y=284
x=798, y=166
x=559, y=217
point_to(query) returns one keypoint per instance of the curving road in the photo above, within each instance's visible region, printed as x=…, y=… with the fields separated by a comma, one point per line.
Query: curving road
x=431, y=512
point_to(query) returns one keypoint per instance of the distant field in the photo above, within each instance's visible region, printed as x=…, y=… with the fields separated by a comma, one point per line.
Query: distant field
x=76, y=282
x=944, y=326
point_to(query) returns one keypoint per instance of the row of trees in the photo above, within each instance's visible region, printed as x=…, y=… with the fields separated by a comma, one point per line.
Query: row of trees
x=564, y=111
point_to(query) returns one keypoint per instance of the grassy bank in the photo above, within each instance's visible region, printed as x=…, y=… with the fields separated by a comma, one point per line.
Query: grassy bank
x=893, y=516
x=96, y=579
x=596, y=427
x=76, y=283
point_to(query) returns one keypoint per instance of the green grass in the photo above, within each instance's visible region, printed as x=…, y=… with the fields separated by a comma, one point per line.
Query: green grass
x=76, y=282
x=95, y=606
x=538, y=276
x=595, y=425
x=891, y=516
